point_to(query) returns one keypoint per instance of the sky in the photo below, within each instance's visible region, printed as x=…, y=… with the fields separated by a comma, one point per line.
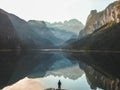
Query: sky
x=53, y=10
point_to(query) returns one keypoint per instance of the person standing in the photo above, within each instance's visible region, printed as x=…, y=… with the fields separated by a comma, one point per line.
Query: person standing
x=59, y=84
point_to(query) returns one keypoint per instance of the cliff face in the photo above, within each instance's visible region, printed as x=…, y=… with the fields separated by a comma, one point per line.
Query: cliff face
x=97, y=19
x=104, y=38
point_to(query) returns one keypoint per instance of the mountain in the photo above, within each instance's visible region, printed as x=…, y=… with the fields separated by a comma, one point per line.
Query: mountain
x=105, y=38
x=63, y=35
x=66, y=31
x=8, y=37
x=106, y=33
x=55, y=35
x=101, y=35
x=35, y=34
x=16, y=33
x=72, y=25
x=43, y=31
x=97, y=19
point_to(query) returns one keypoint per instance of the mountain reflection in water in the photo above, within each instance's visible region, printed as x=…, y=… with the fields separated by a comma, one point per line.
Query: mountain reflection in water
x=49, y=67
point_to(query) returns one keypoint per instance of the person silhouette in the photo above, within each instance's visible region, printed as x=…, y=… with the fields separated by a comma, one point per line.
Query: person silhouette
x=59, y=84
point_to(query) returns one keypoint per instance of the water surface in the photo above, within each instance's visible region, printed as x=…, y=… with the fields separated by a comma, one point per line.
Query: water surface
x=77, y=71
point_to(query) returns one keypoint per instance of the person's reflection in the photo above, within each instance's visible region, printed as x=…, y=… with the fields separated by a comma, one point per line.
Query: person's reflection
x=59, y=84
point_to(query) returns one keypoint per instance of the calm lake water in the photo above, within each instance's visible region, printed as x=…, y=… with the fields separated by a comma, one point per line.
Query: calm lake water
x=50, y=67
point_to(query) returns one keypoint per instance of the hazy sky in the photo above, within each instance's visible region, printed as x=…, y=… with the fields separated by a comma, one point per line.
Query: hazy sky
x=53, y=10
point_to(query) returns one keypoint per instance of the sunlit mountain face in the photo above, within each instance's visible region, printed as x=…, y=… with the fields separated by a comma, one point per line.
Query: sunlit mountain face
x=37, y=54
x=72, y=25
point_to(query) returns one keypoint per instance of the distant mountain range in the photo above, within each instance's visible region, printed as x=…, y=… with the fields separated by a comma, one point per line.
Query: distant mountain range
x=19, y=34
x=72, y=25
x=16, y=33
x=55, y=35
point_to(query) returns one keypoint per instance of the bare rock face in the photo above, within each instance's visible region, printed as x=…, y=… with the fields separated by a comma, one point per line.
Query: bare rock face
x=92, y=13
x=96, y=20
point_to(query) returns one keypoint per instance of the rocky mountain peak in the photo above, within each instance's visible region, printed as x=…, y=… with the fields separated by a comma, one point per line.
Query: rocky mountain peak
x=72, y=21
x=92, y=13
x=36, y=23
x=72, y=25
x=97, y=19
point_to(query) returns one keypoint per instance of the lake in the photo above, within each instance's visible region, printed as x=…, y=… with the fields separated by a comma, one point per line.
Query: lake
x=39, y=70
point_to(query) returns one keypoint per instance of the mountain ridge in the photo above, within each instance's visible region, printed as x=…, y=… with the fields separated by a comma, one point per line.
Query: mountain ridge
x=72, y=25
x=97, y=19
